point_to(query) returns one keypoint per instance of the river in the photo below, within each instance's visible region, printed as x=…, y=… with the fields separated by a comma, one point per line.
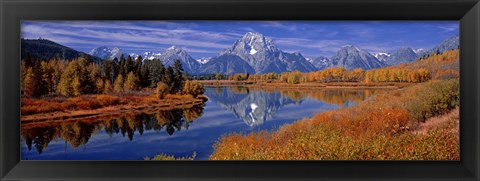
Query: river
x=181, y=132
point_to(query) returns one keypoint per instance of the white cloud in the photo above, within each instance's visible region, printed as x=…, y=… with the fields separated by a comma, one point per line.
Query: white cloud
x=126, y=35
x=281, y=25
x=448, y=28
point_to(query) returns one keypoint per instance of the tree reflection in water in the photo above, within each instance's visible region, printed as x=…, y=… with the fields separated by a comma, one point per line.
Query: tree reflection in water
x=254, y=106
x=78, y=132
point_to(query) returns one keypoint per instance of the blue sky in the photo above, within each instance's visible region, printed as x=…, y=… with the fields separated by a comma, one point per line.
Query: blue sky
x=208, y=38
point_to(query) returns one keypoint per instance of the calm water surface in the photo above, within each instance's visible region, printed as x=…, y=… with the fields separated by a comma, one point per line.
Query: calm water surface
x=181, y=132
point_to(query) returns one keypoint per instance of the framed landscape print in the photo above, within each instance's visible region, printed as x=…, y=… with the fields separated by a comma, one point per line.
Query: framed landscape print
x=347, y=90
x=295, y=89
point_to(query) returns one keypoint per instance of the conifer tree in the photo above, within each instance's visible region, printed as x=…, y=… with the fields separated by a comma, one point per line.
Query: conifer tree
x=128, y=67
x=156, y=73
x=138, y=66
x=144, y=73
x=169, y=78
x=121, y=67
x=177, y=82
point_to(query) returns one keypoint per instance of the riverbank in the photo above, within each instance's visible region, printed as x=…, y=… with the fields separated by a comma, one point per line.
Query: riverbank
x=328, y=85
x=92, y=106
x=415, y=123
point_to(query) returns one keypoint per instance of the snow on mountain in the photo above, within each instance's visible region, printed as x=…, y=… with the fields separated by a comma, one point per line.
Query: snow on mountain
x=256, y=53
x=418, y=51
x=151, y=55
x=320, y=62
x=204, y=60
x=381, y=56
x=173, y=53
x=261, y=53
x=145, y=55
x=133, y=55
x=106, y=52
x=168, y=57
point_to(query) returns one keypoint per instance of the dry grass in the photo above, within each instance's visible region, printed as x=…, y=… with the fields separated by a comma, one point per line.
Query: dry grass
x=381, y=128
x=178, y=96
x=86, y=102
x=449, y=121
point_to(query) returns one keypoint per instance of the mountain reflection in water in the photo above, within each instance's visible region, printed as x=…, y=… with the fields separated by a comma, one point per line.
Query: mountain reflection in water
x=230, y=109
x=257, y=105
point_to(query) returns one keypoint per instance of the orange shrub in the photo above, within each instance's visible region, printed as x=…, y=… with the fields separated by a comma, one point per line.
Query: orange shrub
x=33, y=106
x=107, y=100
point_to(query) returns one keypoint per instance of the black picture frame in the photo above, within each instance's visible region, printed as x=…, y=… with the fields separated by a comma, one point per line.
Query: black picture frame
x=13, y=11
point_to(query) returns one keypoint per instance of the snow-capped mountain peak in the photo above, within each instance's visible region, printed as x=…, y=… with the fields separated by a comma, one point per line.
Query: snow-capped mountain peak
x=105, y=52
x=173, y=47
x=251, y=44
x=173, y=53
x=151, y=55
x=260, y=52
x=176, y=50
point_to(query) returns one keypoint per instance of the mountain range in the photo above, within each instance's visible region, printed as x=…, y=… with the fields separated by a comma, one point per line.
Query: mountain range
x=351, y=57
x=402, y=55
x=104, y=52
x=261, y=54
x=253, y=53
x=445, y=45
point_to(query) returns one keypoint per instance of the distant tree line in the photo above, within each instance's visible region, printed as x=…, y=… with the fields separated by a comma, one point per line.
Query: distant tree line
x=432, y=66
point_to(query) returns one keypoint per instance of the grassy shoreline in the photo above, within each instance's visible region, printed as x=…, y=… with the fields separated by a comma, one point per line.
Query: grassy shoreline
x=391, y=126
x=91, y=106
